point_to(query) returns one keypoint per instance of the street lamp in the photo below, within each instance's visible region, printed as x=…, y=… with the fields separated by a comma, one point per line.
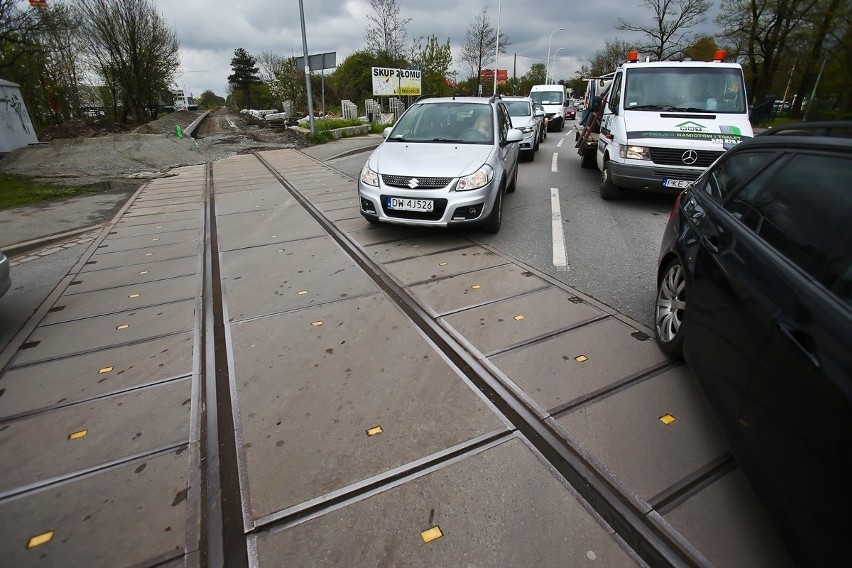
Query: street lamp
x=553, y=63
x=547, y=61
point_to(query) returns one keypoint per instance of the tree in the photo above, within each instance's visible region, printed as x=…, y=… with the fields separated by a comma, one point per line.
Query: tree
x=478, y=52
x=668, y=34
x=209, y=100
x=132, y=49
x=353, y=78
x=759, y=31
x=434, y=61
x=609, y=58
x=702, y=49
x=244, y=75
x=18, y=31
x=385, y=38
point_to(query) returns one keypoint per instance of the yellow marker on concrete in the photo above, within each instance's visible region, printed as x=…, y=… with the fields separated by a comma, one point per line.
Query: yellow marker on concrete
x=302, y=292
x=78, y=435
x=134, y=295
x=668, y=419
x=581, y=358
x=476, y=287
x=316, y=323
x=431, y=534
x=103, y=370
x=443, y=263
x=122, y=326
x=520, y=317
x=143, y=272
x=40, y=539
x=374, y=430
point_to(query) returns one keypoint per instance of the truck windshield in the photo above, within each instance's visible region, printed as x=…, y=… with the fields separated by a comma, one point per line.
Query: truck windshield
x=690, y=89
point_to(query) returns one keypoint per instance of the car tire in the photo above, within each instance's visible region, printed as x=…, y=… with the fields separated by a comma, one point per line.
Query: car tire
x=537, y=144
x=495, y=219
x=514, y=184
x=608, y=190
x=670, y=309
x=588, y=159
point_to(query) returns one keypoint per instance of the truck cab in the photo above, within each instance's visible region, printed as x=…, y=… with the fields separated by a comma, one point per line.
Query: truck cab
x=552, y=99
x=664, y=122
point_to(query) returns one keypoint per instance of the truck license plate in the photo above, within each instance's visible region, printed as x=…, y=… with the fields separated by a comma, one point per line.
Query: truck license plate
x=400, y=204
x=676, y=183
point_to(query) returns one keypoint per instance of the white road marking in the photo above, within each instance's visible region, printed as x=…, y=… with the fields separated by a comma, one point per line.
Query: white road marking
x=559, y=144
x=560, y=259
x=553, y=163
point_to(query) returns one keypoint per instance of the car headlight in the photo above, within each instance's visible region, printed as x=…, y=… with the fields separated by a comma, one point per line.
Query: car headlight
x=479, y=178
x=368, y=176
x=527, y=129
x=634, y=152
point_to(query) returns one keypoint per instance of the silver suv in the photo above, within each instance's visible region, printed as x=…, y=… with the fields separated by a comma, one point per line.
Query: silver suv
x=447, y=161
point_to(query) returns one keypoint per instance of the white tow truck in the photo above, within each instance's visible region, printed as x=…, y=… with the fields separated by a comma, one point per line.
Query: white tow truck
x=658, y=125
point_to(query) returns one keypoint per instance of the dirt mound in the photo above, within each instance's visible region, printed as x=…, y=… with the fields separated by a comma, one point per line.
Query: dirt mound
x=78, y=128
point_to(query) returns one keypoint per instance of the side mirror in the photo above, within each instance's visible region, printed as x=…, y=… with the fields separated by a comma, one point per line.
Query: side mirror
x=514, y=135
x=386, y=132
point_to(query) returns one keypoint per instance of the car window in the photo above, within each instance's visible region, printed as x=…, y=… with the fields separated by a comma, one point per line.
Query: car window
x=503, y=121
x=615, y=97
x=723, y=179
x=518, y=108
x=801, y=210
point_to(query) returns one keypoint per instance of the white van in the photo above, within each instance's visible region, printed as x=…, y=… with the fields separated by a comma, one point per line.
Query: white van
x=552, y=98
x=665, y=122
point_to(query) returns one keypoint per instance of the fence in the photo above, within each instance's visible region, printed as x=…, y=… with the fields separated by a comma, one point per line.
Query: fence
x=350, y=110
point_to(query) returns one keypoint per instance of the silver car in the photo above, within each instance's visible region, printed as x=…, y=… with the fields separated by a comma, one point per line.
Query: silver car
x=5, y=278
x=524, y=118
x=447, y=161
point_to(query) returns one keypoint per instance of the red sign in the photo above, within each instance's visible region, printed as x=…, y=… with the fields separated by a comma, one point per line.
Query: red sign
x=39, y=3
x=502, y=75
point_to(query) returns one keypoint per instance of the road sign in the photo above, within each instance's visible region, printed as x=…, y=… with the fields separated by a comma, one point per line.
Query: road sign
x=318, y=61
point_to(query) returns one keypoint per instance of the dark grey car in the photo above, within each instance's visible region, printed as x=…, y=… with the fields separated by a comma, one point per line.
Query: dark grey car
x=5, y=278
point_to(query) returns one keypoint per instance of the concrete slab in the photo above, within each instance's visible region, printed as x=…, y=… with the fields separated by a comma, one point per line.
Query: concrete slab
x=251, y=200
x=71, y=338
x=500, y=507
x=726, y=523
x=114, y=428
x=161, y=199
x=158, y=219
x=443, y=264
x=356, y=223
x=344, y=214
x=84, y=377
x=281, y=277
x=144, y=211
x=122, y=231
x=308, y=393
x=134, y=515
x=257, y=228
x=422, y=245
x=521, y=319
x=624, y=431
x=385, y=233
x=476, y=288
x=101, y=260
x=557, y=378
x=90, y=280
x=124, y=298
x=349, y=203
x=161, y=238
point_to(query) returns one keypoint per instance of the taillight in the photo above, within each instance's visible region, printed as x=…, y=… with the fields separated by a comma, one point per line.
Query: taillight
x=675, y=206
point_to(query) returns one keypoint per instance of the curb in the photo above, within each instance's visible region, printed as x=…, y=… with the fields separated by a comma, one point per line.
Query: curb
x=21, y=248
x=352, y=152
x=190, y=130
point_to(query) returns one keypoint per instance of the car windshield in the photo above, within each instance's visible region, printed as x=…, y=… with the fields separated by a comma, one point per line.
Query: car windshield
x=546, y=97
x=690, y=89
x=450, y=122
x=518, y=108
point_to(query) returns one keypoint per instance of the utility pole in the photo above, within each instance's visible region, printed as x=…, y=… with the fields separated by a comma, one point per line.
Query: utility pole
x=307, y=69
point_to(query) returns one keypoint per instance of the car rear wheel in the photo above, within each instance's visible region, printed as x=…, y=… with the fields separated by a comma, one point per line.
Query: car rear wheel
x=670, y=311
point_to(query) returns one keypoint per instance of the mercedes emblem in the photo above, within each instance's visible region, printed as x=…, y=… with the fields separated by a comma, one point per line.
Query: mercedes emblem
x=689, y=157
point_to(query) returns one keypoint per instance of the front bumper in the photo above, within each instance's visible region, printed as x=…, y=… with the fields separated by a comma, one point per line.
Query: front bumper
x=650, y=178
x=528, y=143
x=451, y=207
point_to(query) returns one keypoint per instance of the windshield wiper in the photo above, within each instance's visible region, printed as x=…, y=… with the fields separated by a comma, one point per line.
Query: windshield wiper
x=651, y=107
x=455, y=140
x=399, y=138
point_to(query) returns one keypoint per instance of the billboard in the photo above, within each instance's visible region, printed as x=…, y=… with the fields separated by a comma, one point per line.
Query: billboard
x=390, y=82
x=488, y=75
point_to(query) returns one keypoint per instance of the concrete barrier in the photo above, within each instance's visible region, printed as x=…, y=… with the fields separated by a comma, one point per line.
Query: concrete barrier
x=344, y=132
x=190, y=130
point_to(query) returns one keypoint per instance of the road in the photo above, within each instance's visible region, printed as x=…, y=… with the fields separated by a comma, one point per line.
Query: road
x=377, y=395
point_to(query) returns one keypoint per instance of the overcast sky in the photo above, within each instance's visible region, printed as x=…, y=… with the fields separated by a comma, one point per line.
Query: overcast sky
x=210, y=30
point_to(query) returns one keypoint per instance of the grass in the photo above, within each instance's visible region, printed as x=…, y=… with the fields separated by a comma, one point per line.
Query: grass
x=16, y=191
